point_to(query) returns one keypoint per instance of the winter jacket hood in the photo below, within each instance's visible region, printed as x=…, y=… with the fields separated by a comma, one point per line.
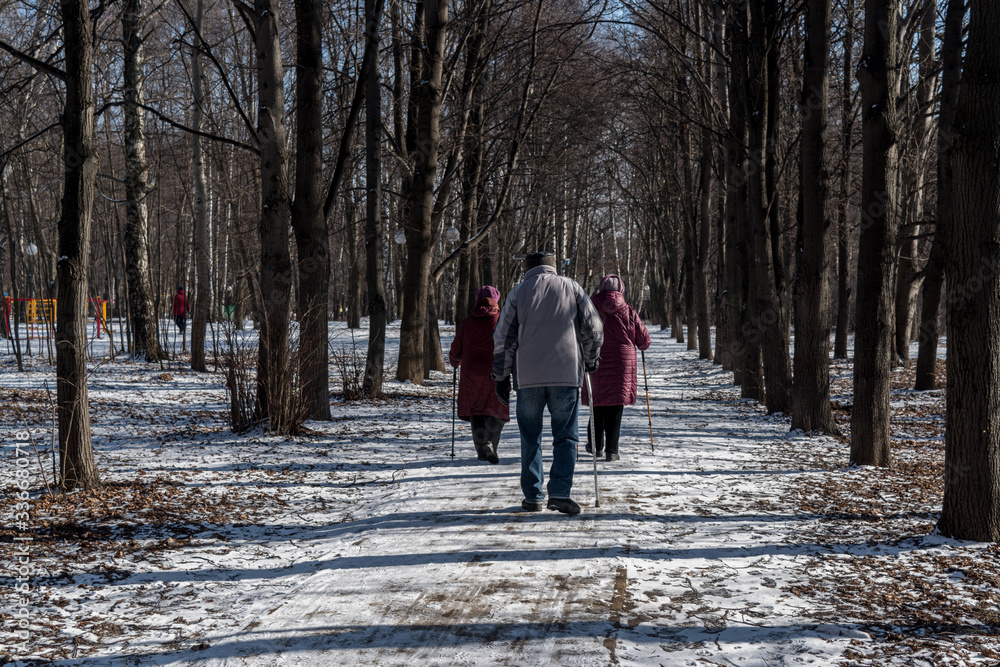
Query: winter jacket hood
x=615, y=381
x=472, y=350
x=488, y=292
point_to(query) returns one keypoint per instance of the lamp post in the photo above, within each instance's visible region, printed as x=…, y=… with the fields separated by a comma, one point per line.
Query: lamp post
x=31, y=250
x=394, y=302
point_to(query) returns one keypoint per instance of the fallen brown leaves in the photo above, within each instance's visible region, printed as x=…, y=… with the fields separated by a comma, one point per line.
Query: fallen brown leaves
x=942, y=608
x=130, y=518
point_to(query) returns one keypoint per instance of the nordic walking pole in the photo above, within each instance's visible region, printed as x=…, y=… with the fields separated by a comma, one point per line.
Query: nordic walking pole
x=454, y=378
x=649, y=413
x=593, y=441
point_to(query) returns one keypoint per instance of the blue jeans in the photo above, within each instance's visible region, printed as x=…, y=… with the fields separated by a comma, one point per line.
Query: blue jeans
x=564, y=405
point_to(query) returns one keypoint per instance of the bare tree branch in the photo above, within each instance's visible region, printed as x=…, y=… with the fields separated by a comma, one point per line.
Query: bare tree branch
x=34, y=62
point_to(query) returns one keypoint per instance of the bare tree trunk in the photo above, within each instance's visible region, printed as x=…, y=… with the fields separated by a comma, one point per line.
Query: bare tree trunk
x=690, y=314
x=746, y=345
x=688, y=216
x=701, y=243
x=466, y=290
x=15, y=314
x=907, y=278
x=767, y=319
x=374, y=273
x=309, y=222
x=811, y=411
x=702, y=305
x=878, y=74
x=971, y=508
x=144, y=323
x=354, y=265
x=847, y=141
x=419, y=224
x=472, y=172
x=677, y=279
x=276, y=264
x=659, y=286
x=202, y=242
x=433, y=357
x=951, y=58
x=77, y=469
x=723, y=329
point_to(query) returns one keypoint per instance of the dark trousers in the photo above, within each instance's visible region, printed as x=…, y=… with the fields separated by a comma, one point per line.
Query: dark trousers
x=607, y=428
x=180, y=321
x=485, y=429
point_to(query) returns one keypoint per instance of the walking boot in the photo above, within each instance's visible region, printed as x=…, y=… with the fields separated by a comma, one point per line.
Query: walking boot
x=564, y=505
x=531, y=506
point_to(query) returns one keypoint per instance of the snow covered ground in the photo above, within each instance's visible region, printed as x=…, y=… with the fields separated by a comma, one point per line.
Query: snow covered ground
x=728, y=541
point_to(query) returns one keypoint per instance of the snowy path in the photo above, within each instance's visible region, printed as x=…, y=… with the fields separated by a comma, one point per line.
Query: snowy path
x=365, y=543
x=439, y=566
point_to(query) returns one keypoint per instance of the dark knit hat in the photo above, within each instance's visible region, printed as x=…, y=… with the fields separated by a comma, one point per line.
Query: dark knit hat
x=540, y=258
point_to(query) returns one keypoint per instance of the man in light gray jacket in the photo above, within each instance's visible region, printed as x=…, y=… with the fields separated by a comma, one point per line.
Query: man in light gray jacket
x=548, y=335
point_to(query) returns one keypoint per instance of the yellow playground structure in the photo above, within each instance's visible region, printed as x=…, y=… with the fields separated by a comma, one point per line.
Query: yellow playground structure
x=40, y=314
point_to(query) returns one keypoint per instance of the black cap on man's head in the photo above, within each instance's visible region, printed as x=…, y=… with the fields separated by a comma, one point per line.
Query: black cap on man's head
x=539, y=258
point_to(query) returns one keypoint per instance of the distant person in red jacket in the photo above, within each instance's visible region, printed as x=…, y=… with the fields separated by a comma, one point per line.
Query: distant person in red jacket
x=472, y=349
x=180, y=309
x=615, y=383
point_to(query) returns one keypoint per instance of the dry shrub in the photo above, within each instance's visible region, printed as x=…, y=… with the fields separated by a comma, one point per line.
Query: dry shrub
x=284, y=409
x=240, y=359
x=349, y=364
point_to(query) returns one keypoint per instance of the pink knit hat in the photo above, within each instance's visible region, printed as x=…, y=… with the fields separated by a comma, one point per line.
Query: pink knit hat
x=488, y=292
x=611, y=283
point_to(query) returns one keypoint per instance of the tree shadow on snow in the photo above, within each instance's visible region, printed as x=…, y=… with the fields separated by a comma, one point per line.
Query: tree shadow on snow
x=366, y=642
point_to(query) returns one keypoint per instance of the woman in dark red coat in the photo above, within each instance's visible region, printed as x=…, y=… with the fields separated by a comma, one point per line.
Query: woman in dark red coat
x=614, y=382
x=472, y=349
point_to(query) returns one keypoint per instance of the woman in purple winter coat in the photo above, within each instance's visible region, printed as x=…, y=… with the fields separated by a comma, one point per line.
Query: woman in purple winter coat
x=472, y=349
x=614, y=382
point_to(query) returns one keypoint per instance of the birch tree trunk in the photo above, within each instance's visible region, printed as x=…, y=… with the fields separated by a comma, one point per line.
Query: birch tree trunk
x=77, y=469
x=202, y=242
x=145, y=324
